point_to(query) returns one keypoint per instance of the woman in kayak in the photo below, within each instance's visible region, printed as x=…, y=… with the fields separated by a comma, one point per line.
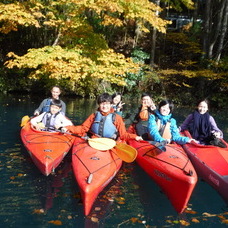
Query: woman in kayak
x=51, y=120
x=146, y=108
x=163, y=128
x=104, y=122
x=117, y=103
x=45, y=104
x=201, y=124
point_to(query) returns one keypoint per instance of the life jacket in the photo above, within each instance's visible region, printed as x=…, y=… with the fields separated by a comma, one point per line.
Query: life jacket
x=164, y=129
x=49, y=121
x=104, y=125
x=46, y=107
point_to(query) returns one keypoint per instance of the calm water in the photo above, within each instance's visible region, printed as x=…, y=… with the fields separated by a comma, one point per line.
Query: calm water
x=29, y=199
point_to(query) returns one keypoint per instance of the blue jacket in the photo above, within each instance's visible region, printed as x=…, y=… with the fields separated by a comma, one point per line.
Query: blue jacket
x=154, y=132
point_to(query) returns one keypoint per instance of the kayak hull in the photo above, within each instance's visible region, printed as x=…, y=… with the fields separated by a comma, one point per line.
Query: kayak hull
x=47, y=149
x=170, y=169
x=93, y=170
x=211, y=164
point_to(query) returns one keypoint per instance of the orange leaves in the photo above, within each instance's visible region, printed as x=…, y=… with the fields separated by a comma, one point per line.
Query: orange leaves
x=56, y=222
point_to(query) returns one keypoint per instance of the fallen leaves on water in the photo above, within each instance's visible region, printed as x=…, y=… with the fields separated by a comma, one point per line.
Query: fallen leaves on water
x=94, y=219
x=184, y=223
x=205, y=214
x=56, y=222
x=189, y=211
x=225, y=221
x=120, y=200
x=195, y=220
x=38, y=211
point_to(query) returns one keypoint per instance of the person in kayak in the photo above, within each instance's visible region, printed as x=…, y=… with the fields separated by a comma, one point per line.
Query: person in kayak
x=163, y=128
x=52, y=119
x=117, y=103
x=146, y=108
x=45, y=104
x=104, y=122
x=202, y=125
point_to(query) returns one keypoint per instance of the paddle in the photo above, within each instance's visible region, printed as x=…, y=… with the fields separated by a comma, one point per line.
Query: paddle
x=24, y=120
x=124, y=151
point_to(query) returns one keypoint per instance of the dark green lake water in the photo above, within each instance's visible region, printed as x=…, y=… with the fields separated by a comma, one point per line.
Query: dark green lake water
x=29, y=199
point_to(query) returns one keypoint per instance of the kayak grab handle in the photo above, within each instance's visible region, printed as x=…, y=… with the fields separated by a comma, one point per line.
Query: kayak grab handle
x=89, y=179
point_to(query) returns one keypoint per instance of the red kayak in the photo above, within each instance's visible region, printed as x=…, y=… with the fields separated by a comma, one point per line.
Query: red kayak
x=47, y=149
x=170, y=169
x=211, y=164
x=93, y=170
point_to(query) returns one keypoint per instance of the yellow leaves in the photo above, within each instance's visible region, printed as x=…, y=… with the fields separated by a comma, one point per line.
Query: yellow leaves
x=13, y=15
x=61, y=63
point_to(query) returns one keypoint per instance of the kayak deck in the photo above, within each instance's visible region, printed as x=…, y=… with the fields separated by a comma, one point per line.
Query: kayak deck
x=93, y=170
x=47, y=149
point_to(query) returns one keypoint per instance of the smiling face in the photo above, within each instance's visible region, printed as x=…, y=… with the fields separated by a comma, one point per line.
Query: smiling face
x=54, y=109
x=202, y=107
x=165, y=110
x=105, y=106
x=116, y=99
x=55, y=92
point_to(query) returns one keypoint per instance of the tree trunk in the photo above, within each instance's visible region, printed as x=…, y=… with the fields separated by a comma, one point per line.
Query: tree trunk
x=207, y=20
x=153, y=40
x=223, y=32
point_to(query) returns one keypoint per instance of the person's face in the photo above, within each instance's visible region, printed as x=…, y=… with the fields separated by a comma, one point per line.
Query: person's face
x=55, y=92
x=116, y=99
x=165, y=110
x=146, y=101
x=202, y=107
x=105, y=106
x=54, y=109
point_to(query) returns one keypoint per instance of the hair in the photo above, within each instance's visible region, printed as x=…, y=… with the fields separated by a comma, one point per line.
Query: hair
x=203, y=100
x=165, y=102
x=116, y=94
x=145, y=95
x=56, y=87
x=56, y=103
x=105, y=97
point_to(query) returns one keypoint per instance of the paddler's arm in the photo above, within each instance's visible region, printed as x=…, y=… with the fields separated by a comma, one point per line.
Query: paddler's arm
x=124, y=135
x=82, y=129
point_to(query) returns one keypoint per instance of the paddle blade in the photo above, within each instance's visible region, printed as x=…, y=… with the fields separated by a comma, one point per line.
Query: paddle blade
x=125, y=152
x=102, y=143
x=24, y=120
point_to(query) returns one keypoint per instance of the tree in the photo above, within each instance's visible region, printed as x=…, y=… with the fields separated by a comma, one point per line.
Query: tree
x=68, y=47
x=215, y=28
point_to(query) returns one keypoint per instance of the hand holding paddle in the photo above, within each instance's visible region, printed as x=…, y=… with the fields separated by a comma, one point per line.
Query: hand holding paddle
x=124, y=151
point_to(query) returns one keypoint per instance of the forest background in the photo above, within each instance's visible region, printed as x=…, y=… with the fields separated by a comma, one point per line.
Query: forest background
x=170, y=48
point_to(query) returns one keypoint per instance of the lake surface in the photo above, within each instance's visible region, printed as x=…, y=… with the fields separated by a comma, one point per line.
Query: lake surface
x=132, y=199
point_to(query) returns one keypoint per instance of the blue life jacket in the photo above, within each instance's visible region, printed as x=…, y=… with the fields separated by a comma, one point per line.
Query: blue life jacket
x=46, y=107
x=104, y=125
x=49, y=121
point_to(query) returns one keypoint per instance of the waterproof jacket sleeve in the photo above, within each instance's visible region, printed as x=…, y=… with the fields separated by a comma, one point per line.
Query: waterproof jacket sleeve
x=187, y=121
x=42, y=104
x=123, y=134
x=214, y=127
x=144, y=113
x=84, y=128
x=154, y=132
x=176, y=137
x=37, y=119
